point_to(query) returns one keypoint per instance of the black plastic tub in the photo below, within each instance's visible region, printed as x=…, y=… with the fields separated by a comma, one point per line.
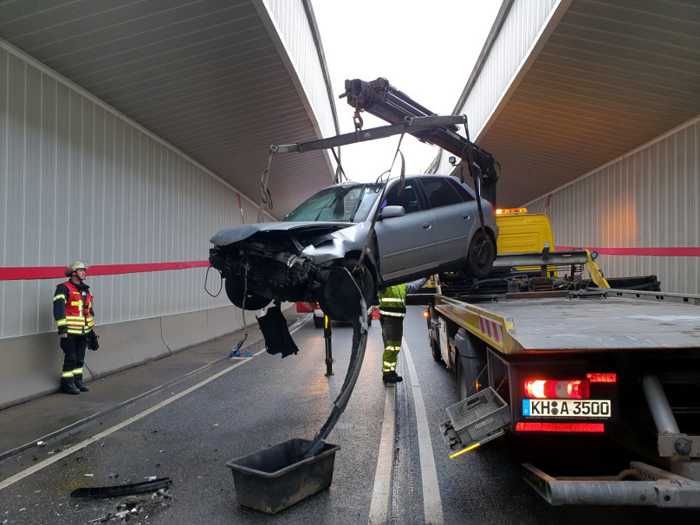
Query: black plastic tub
x=276, y=478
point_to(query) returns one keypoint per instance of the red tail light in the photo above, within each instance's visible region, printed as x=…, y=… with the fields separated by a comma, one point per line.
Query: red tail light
x=526, y=426
x=602, y=377
x=304, y=308
x=557, y=389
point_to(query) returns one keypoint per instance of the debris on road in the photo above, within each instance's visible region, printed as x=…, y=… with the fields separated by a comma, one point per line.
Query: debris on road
x=237, y=352
x=114, y=491
x=139, y=509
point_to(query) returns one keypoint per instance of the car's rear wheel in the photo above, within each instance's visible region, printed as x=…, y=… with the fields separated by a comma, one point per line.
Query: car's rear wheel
x=481, y=254
x=234, y=291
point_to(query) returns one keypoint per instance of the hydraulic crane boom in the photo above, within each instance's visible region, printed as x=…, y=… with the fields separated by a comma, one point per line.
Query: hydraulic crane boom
x=405, y=115
x=381, y=99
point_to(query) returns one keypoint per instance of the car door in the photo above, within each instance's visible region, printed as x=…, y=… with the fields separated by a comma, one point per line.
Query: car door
x=403, y=241
x=453, y=219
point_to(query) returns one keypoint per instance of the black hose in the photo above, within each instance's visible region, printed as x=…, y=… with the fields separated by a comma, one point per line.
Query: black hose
x=359, y=344
x=206, y=279
x=359, y=329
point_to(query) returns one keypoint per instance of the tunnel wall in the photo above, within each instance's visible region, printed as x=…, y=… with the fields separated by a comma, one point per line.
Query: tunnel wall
x=520, y=27
x=641, y=211
x=293, y=28
x=79, y=180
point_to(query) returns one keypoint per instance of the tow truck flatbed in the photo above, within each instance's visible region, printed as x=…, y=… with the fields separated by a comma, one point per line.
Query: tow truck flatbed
x=573, y=322
x=542, y=364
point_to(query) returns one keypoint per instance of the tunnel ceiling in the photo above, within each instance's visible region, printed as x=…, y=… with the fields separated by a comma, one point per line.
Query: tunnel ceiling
x=612, y=76
x=203, y=75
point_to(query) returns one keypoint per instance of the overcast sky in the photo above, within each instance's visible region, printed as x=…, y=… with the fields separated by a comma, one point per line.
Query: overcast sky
x=425, y=48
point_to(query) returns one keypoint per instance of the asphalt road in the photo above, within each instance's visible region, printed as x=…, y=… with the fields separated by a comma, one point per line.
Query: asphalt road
x=191, y=430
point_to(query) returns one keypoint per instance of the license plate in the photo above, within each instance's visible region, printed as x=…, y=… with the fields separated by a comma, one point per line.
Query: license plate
x=590, y=408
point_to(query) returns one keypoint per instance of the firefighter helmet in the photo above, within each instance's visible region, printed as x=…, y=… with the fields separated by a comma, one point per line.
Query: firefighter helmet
x=74, y=267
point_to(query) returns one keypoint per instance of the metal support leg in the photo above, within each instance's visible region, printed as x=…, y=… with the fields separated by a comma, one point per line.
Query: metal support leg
x=328, y=337
x=659, y=407
x=671, y=442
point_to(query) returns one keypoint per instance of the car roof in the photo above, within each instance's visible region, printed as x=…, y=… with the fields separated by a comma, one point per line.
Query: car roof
x=350, y=184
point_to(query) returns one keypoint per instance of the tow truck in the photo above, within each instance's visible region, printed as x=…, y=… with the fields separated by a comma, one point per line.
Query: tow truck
x=544, y=354
x=552, y=359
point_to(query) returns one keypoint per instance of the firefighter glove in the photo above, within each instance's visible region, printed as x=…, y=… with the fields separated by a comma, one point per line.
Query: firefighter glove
x=93, y=342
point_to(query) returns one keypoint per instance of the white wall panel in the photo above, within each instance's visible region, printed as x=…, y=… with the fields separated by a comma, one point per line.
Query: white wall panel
x=519, y=32
x=646, y=199
x=294, y=30
x=79, y=181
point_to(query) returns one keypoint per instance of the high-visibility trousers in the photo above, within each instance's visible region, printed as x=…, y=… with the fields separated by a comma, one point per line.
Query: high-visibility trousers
x=73, y=348
x=392, y=333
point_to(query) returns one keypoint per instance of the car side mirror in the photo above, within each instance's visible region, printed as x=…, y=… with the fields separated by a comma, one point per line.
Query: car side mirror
x=392, y=211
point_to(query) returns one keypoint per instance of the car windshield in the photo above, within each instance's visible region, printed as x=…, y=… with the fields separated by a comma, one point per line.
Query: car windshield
x=337, y=204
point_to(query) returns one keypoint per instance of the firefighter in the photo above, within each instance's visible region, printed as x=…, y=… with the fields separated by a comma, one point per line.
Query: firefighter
x=75, y=320
x=392, y=309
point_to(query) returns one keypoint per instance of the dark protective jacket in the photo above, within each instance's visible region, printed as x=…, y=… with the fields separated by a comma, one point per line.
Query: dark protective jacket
x=73, y=308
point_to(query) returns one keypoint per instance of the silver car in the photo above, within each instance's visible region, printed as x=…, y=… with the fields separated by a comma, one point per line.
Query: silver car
x=426, y=225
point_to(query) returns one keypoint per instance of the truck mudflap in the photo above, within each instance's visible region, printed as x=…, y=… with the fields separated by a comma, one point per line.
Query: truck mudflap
x=640, y=485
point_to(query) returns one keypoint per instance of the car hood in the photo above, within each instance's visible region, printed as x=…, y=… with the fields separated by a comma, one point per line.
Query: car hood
x=236, y=234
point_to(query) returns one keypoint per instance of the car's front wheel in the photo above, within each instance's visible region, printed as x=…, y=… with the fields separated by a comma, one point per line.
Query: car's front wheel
x=339, y=295
x=481, y=254
x=234, y=291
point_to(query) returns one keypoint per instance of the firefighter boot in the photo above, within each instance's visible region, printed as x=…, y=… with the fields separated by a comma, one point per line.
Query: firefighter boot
x=78, y=381
x=68, y=386
x=391, y=378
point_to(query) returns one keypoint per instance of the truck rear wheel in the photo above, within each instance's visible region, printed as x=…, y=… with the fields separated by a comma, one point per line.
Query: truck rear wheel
x=470, y=361
x=434, y=336
x=435, y=350
x=464, y=383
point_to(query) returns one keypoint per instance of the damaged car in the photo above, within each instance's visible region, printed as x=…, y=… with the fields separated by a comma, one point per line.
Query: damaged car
x=424, y=225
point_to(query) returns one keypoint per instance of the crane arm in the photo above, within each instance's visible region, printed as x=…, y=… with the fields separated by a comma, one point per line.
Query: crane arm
x=405, y=115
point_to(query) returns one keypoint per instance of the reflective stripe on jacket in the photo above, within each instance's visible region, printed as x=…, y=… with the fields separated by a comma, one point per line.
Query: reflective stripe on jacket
x=392, y=301
x=73, y=309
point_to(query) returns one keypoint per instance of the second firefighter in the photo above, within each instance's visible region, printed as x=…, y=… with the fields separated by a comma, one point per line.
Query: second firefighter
x=74, y=314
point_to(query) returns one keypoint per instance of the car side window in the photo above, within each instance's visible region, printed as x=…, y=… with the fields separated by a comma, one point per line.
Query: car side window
x=407, y=197
x=439, y=192
x=466, y=196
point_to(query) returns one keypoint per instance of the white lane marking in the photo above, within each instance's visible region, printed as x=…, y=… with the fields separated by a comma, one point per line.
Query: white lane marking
x=381, y=492
x=432, y=503
x=97, y=437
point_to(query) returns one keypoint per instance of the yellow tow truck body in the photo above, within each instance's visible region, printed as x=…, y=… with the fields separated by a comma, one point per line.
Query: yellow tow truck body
x=522, y=232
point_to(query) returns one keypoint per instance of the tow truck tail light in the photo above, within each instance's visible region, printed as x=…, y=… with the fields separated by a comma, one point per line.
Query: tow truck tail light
x=557, y=389
x=602, y=377
x=527, y=426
